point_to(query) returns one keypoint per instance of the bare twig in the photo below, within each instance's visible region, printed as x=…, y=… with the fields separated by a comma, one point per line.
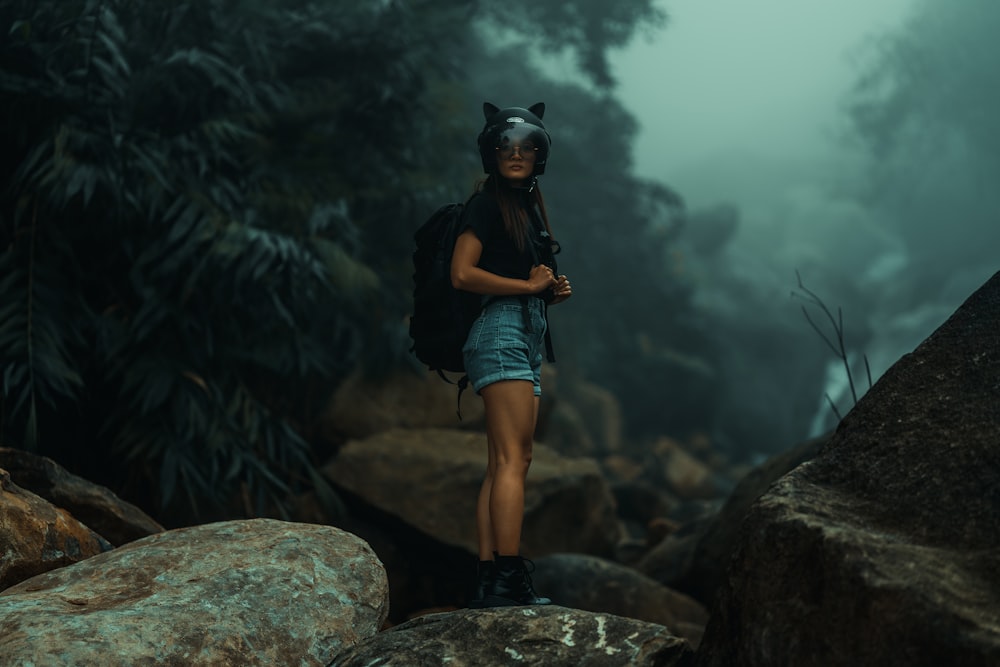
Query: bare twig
x=832, y=406
x=840, y=348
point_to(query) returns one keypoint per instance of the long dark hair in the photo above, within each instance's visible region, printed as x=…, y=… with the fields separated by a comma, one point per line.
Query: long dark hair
x=514, y=203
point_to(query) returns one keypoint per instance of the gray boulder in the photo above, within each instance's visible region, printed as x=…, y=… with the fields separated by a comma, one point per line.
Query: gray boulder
x=259, y=592
x=550, y=636
x=884, y=549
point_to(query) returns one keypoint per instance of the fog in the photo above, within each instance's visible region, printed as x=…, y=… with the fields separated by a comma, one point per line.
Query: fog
x=760, y=80
x=744, y=103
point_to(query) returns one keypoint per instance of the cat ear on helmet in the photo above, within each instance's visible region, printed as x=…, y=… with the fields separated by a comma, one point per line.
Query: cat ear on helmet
x=538, y=109
x=489, y=109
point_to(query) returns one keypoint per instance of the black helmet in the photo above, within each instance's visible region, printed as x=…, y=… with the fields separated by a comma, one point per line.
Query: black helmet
x=510, y=124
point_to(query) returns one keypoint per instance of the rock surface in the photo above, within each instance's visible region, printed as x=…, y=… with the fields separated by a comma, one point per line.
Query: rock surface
x=363, y=407
x=36, y=536
x=95, y=506
x=694, y=560
x=599, y=585
x=520, y=636
x=586, y=419
x=686, y=476
x=430, y=479
x=259, y=592
x=883, y=549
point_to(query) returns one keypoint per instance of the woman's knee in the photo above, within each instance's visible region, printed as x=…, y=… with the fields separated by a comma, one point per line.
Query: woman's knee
x=518, y=462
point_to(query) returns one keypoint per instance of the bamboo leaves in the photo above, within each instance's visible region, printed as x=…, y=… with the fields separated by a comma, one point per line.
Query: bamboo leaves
x=182, y=285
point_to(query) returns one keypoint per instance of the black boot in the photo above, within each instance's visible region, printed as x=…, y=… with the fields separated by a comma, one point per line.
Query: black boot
x=485, y=573
x=512, y=584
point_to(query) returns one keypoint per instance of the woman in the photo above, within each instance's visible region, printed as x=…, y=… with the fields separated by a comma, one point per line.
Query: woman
x=504, y=253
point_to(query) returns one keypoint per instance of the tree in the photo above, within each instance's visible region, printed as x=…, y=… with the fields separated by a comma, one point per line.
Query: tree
x=586, y=29
x=183, y=227
x=925, y=107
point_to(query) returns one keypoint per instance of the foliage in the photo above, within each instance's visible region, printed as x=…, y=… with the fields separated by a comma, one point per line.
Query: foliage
x=587, y=29
x=930, y=75
x=183, y=227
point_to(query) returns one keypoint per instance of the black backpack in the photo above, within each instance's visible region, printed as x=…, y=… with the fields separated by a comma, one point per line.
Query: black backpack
x=442, y=315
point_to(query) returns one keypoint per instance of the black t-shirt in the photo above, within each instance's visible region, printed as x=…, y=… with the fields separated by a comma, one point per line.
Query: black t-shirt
x=500, y=254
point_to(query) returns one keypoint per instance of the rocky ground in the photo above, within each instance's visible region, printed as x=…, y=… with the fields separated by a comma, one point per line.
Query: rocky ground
x=877, y=544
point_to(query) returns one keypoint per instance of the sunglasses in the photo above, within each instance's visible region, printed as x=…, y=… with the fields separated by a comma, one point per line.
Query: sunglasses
x=527, y=151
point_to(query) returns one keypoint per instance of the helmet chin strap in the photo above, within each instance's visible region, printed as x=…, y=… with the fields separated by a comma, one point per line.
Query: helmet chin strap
x=527, y=185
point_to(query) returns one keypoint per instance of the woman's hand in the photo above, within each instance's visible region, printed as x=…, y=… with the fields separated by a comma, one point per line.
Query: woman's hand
x=562, y=290
x=540, y=279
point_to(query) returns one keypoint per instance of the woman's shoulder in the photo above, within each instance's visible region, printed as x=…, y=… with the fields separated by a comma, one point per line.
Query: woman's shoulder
x=483, y=201
x=481, y=209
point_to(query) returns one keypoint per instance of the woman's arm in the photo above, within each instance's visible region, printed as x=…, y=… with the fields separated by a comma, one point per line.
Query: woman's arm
x=467, y=276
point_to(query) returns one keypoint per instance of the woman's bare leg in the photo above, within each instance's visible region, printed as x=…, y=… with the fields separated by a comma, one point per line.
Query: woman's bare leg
x=511, y=412
x=484, y=527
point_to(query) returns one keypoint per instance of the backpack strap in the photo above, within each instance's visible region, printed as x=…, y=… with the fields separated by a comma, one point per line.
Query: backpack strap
x=533, y=225
x=549, y=352
x=462, y=384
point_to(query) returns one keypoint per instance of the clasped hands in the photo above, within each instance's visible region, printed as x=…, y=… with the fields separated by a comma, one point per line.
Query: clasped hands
x=542, y=278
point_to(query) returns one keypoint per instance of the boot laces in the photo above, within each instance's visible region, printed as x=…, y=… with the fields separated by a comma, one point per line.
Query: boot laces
x=529, y=568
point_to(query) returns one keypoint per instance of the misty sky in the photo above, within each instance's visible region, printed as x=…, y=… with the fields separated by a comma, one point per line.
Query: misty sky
x=747, y=78
x=741, y=101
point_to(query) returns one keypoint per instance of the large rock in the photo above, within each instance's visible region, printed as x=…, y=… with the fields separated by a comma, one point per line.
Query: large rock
x=431, y=478
x=36, y=536
x=694, y=559
x=259, y=592
x=599, y=585
x=586, y=419
x=363, y=406
x=883, y=549
x=685, y=476
x=101, y=510
x=566, y=432
x=520, y=635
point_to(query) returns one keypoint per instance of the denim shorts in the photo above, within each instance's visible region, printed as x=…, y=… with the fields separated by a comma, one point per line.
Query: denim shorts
x=506, y=343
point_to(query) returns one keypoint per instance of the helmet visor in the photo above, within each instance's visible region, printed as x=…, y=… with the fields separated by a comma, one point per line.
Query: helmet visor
x=523, y=139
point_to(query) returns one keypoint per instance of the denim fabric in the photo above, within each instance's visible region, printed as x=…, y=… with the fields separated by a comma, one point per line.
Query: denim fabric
x=502, y=345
